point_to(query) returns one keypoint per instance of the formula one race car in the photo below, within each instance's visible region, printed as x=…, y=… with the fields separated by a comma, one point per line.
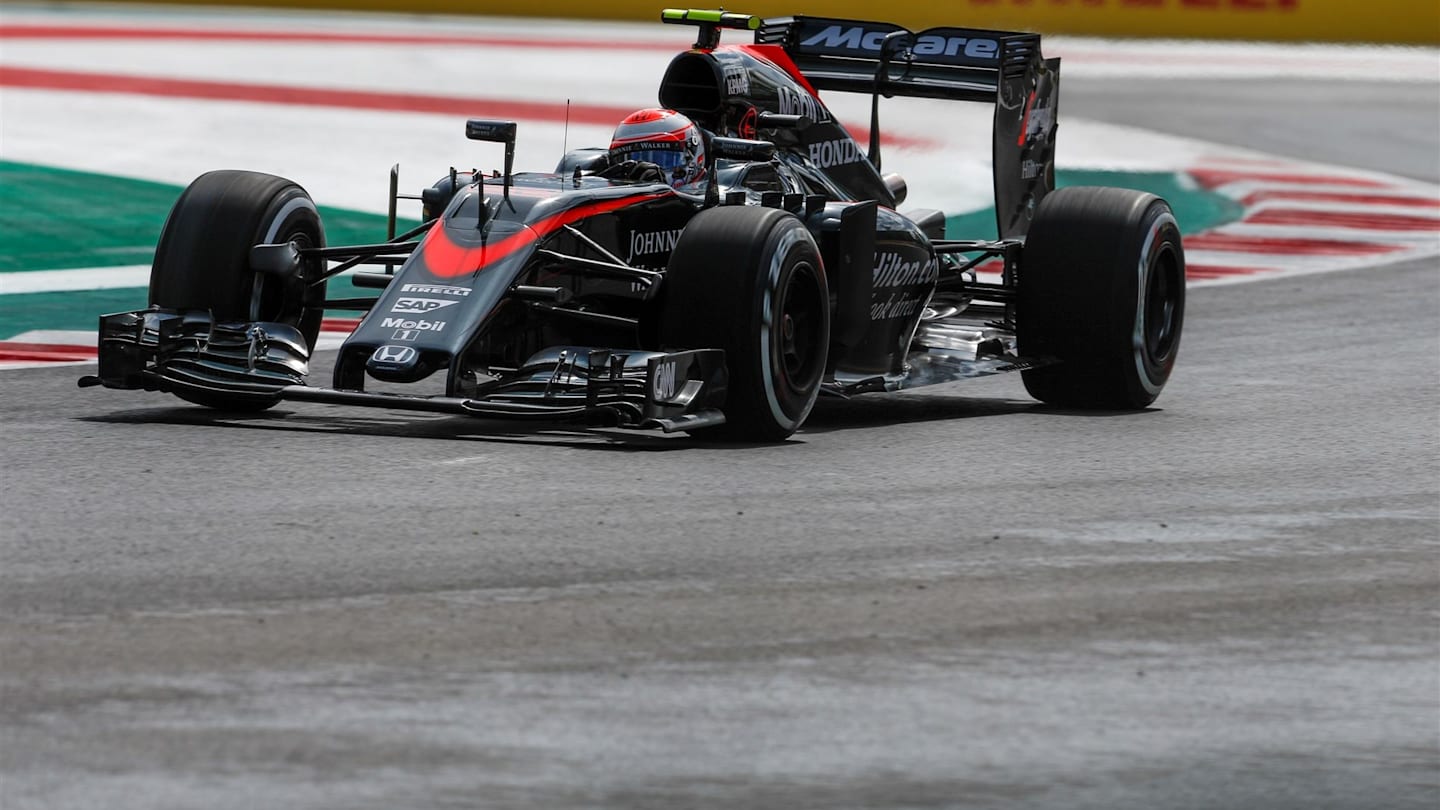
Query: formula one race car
x=733, y=255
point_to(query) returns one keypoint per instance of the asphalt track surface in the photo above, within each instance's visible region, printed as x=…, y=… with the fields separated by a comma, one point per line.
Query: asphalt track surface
x=951, y=598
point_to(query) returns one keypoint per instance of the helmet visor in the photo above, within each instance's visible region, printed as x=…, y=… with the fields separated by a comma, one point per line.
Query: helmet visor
x=666, y=159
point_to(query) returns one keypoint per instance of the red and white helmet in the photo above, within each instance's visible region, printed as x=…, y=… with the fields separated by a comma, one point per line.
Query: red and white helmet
x=665, y=138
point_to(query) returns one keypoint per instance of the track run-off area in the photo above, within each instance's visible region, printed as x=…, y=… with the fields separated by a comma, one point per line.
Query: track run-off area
x=950, y=598
x=95, y=99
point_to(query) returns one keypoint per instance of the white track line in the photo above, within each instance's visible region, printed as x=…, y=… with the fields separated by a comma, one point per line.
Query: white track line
x=90, y=278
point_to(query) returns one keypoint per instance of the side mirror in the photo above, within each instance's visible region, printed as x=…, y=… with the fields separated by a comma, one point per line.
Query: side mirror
x=741, y=149
x=477, y=129
x=897, y=186
x=769, y=120
x=494, y=131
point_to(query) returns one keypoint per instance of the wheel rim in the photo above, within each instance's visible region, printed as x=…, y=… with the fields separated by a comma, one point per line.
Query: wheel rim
x=280, y=300
x=1162, y=306
x=800, y=330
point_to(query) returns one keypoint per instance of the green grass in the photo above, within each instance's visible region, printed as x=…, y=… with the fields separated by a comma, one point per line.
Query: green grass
x=54, y=219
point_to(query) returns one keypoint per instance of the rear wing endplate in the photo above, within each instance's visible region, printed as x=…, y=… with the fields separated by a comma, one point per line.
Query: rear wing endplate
x=962, y=64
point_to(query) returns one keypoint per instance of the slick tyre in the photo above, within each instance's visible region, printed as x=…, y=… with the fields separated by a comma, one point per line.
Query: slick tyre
x=1102, y=290
x=202, y=261
x=750, y=281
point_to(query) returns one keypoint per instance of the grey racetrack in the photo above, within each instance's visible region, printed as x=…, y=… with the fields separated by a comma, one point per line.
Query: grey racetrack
x=954, y=598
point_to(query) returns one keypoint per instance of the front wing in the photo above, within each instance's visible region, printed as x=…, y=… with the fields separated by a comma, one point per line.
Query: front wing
x=157, y=350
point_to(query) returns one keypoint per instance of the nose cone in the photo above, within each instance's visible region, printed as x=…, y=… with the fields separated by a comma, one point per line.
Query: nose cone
x=395, y=363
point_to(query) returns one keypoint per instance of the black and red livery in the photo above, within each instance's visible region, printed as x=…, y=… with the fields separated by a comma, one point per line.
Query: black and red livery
x=724, y=307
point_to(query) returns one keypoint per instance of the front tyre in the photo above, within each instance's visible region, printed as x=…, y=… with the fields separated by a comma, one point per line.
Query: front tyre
x=750, y=281
x=1102, y=290
x=203, y=261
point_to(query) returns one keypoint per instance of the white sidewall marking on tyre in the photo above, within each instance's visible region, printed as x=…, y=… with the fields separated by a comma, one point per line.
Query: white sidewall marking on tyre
x=257, y=286
x=777, y=264
x=1137, y=338
x=280, y=217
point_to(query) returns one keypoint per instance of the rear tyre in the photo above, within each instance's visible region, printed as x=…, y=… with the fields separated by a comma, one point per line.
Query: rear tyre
x=1102, y=290
x=203, y=261
x=750, y=281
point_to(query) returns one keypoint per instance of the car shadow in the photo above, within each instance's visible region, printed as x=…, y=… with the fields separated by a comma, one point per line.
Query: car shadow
x=828, y=416
x=884, y=410
x=404, y=425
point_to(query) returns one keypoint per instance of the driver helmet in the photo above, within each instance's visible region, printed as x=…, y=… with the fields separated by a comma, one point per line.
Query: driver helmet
x=665, y=138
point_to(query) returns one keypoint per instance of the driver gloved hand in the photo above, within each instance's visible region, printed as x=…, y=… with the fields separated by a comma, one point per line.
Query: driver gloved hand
x=634, y=171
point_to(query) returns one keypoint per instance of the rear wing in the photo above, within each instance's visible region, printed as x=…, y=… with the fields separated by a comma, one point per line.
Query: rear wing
x=961, y=64
x=950, y=63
